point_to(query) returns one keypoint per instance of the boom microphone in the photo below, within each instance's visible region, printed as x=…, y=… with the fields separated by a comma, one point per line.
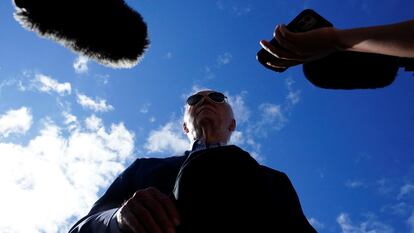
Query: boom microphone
x=107, y=31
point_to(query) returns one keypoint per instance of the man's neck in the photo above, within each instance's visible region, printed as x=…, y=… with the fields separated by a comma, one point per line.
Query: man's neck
x=211, y=136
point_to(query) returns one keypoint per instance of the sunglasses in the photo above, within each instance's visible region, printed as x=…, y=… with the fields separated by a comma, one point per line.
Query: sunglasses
x=216, y=97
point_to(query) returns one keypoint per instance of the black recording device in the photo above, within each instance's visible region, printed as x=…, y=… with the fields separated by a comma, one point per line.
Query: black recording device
x=307, y=20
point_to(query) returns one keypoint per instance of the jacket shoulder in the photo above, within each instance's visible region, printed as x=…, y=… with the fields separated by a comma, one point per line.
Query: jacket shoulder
x=148, y=161
x=272, y=172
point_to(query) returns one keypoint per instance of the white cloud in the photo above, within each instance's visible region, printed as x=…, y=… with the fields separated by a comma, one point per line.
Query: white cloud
x=93, y=123
x=406, y=190
x=271, y=117
x=55, y=179
x=209, y=72
x=81, y=65
x=168, y=55
x=316, y=224
x=370, y=225
x=239, y=11
x=410, y=222
x=271, y=111
x=237, y=138
x=169, y=139
x=234, y=9
x=293, y=96
x=98, y=105
x=274, y=116
x=354, y=183
x=145, y=108
x=10, y=82
x=16, y=121
x=71, y=121
x=400, y=209
x=46, y=84
x=220, y=5
x=224, y=59
x=385, y=186
x=240, y=110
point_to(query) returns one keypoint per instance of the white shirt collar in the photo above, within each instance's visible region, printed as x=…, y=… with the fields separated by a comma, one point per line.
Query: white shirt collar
x=200, y=145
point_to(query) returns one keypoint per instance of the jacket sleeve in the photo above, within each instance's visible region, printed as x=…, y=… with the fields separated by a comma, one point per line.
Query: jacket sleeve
x=289, y=216
x=301, y=223
x=101, y=218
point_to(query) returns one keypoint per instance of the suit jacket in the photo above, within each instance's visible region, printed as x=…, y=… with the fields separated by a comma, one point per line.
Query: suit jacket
x=281, y=207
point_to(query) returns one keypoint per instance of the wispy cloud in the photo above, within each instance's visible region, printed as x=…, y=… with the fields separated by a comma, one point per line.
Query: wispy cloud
x=385, y=186
x=406, y=190
x=168, y=55
x=354, y=184
x=81, y=65
x=168, y=139
x=221, y=60
x=145, y=108
x=47, y=84
x=10, y=82
x=316, y=224
x=271, y=117
x=370, y=225
x=71, y=121
x=220, y=5
x=237, y=138
x=240, y=110
x=399, y=209
x=241, y=10
x=15, y=121
x=245, y=140
x=233, y=7
x=410, y=222
x=224, y=59
x=275, y=116
x=51, y=166
x=98, y=105
x=272, y=113
x=93, y=123
x=294, y=95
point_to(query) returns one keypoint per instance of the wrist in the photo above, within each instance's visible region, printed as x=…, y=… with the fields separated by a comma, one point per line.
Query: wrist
x=114, y=224
x=119, y=222
x=338, y=41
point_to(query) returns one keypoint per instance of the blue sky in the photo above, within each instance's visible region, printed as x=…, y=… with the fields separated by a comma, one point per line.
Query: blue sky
x=68, y=125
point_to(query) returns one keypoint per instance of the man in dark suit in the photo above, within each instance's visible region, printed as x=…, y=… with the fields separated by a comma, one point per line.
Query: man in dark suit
x=215, y=187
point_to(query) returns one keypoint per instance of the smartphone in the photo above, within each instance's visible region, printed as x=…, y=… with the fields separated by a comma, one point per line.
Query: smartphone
x=305, y=21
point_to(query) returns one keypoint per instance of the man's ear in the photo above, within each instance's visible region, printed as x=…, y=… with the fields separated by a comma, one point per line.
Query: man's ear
x=185, y=129
x=232, y=125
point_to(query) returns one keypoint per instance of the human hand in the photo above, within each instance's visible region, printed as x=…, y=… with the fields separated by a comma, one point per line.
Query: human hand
x=300, y=47
x=148, y=211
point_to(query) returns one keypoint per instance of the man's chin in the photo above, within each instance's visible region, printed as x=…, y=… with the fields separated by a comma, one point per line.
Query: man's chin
x=205, y=121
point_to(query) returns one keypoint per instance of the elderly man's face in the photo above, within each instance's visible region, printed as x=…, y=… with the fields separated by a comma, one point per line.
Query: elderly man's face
x=208, y=113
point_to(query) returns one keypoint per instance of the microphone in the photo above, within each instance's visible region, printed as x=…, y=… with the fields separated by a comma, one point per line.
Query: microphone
x=107, y=31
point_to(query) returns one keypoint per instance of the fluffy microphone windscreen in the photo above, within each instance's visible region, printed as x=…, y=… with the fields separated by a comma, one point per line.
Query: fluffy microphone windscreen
x=108, y=31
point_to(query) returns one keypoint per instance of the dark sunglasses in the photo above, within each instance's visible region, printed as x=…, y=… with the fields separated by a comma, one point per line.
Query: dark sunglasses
x=216, y=97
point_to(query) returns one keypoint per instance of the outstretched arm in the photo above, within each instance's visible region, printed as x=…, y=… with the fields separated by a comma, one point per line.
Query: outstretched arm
x=297, y=48
x=129, y=206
